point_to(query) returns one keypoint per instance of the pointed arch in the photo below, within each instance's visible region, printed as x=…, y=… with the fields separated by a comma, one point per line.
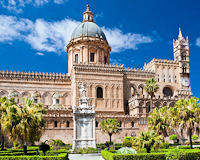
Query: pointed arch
x=47, y=98
x=67, y=99
x=172, y=104
x=117, y=92
x=141, y=89
x=3, y=93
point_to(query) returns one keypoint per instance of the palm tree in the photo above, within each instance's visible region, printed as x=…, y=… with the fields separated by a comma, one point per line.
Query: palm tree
x=185, y=115
x=151, y=88
x=9, y=120
x=148, y=140
x=159, y=121
x=6, y=105
x=31, y=121
x=110, y=126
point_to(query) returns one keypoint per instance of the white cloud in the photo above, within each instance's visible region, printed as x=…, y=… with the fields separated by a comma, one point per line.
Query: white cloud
x=40, y=54
x=11, y=28
x=18, y=5
x=46, y=36
x=120, y=41
x=51, y=37
x=198, y=42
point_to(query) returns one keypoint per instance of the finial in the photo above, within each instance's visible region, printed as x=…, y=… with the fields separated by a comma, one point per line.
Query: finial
x=180, y=36
x=88, y=7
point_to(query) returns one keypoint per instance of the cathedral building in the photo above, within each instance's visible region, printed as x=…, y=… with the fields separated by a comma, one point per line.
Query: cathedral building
x=116, y=91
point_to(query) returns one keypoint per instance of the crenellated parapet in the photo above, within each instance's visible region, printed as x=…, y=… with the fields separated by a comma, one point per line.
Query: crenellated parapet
x=161, y=62
x=33, y=76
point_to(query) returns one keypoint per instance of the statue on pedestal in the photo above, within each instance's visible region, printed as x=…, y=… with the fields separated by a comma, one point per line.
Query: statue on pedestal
x=84, y=122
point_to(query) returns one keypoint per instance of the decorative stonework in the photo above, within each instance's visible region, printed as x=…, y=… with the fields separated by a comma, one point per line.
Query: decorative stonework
x=84, y=122
x=34, y=76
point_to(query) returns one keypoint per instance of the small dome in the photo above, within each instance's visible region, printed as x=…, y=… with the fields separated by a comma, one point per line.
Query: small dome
x=56, y=96
x=13, y=94
x=36, y=94
x=88, y=29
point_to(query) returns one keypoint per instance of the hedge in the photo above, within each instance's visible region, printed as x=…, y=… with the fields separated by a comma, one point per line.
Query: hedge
x=140, y=156
x=62, y=156
x=183, y=154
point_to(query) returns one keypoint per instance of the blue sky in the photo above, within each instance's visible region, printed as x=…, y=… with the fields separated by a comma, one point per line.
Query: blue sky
x=34, y=33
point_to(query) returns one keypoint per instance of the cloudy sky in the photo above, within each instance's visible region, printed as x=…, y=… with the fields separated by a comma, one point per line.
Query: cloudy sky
x=34, y=33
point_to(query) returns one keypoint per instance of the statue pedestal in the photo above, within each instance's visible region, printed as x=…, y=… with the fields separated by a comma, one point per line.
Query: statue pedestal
x=84, y=123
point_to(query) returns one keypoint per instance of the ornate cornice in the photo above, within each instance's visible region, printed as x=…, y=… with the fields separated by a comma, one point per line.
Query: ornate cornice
x=105, y=68
x=34, y=76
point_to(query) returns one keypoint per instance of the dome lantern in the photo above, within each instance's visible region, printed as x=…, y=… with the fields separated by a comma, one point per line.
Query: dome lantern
x=88, y=15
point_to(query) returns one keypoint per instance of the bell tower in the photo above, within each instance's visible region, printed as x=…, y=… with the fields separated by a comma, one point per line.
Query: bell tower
x=181, y=54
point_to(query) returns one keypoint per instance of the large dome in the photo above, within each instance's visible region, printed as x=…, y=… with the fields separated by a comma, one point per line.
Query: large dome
x=88, y=29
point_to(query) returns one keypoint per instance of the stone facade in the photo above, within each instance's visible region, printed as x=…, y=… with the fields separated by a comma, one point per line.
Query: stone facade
x=116, y=91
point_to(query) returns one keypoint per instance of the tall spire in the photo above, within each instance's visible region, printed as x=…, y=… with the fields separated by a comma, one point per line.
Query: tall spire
x=180, y=36
x=88, y=15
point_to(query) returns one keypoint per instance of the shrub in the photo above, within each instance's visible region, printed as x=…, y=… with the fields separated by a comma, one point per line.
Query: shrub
x=140, y=156
x=195, y=137
x=181, y=154
x=57, y=142
x=173, y=137
x=44, y=147
x=126, y=150
x=118, y=146
x=62, y=156
x=187, y=142
x=164, y=145
x=101, y=146
x=85, y=150
x=184, y=147
x=128, y=142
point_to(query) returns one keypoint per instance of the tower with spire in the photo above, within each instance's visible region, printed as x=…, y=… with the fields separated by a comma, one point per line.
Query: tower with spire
x=181, y=54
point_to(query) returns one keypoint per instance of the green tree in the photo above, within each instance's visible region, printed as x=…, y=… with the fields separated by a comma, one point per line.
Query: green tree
x=31, y=121
x=9, y=118
x=186, y=116
x=151, y=88
x=147, y=140
x=158, y=121
x=110, y=126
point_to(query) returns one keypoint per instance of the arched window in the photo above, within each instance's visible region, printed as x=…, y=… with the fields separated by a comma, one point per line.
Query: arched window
x=184, y=57
x=99, y=92
x=76, y=58
x=105, y=60
x=184, y=70
x=97, y=124
x=91, y=57
x=67, y=124
x=132, y=91
x=167, y=92
x=55, y=124
x=35, y=100
x=120, y=123
x=132, y=124
x=57, y=101
x=171, y=104
x=133, y=134
x=148, y=108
